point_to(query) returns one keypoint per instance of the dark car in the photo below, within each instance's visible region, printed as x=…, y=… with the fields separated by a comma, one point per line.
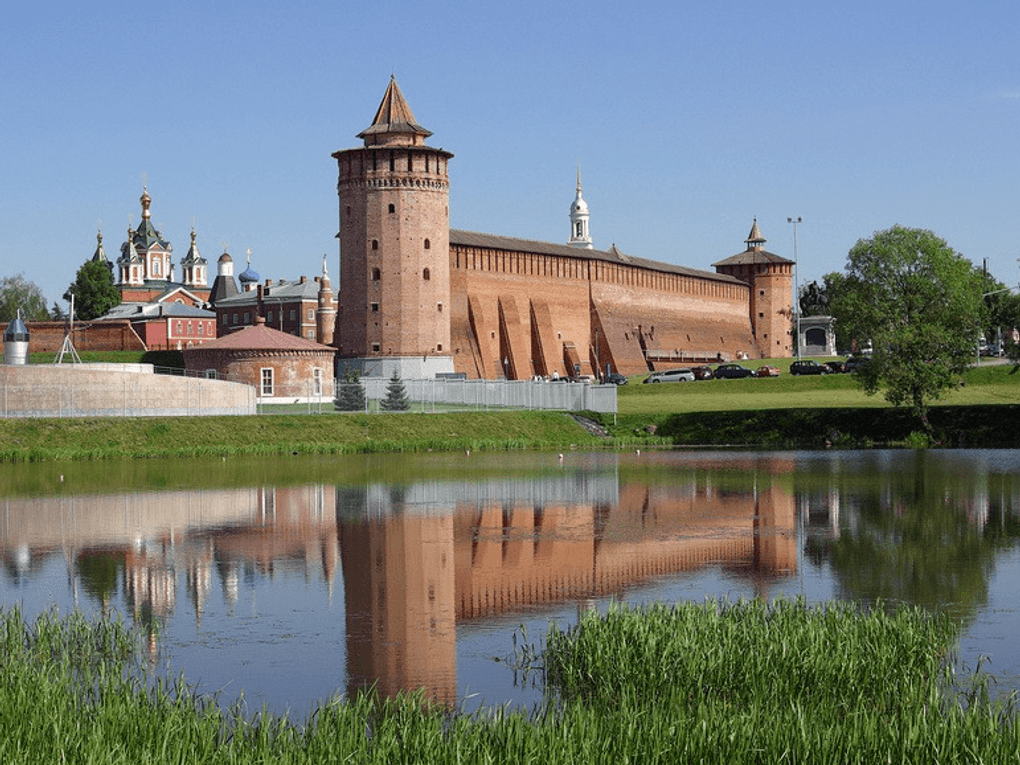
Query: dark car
x=854, y=363
x=835, y=367
x=615, y=378
x=702, y=373
x=808, y=367
x=732, y=371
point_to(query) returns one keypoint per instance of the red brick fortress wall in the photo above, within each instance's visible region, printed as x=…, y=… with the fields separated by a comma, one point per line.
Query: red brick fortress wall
x=48, y=336
x=518, y=313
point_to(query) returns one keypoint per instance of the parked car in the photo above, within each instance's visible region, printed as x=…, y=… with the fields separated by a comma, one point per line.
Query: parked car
x=683, y=374
x=990, y=349
x=615, y=378
x=702, y=373
x=835, y=367
x=853, y=363
x=808, y=367
x=767, y=370
x=732, y=371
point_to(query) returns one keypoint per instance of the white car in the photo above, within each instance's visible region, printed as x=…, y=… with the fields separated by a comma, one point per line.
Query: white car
x=683, y=374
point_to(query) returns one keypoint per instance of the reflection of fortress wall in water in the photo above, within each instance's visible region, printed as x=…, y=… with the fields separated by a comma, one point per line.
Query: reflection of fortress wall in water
x=416, y=558
x=411, y=569
x=508, y=556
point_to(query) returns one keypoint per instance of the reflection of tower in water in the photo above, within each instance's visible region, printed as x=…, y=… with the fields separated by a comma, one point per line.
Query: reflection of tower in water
x=398, y=579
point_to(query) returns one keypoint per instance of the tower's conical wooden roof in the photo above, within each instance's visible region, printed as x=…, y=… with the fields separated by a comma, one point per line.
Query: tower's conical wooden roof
x=394, y=120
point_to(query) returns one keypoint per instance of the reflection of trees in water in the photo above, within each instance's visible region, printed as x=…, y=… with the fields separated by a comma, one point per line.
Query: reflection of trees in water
x=99, y=571
x=917, y=536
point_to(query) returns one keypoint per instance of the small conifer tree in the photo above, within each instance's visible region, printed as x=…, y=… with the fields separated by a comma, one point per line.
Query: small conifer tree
x=351, y=394
x=396, y=396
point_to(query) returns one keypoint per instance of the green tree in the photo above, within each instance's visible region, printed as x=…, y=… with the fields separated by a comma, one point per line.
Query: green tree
x=396, y=396
x=17, y=292
x=834, y=287
x=919, y=302
x=93, y=290
x=351, y=394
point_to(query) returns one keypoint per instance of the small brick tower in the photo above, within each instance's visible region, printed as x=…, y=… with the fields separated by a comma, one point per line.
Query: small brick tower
x=393, y=313
x=325, y=313
x=770, y=279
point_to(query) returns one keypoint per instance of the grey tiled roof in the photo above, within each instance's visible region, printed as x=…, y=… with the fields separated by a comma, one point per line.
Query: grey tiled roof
x=155, y=311
x=280, y=292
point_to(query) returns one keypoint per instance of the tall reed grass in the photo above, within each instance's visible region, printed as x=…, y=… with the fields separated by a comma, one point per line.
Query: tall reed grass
x=714, y=683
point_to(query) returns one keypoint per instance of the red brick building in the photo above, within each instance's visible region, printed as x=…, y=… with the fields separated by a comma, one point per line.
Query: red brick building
x=301, y=308
x=279, y=365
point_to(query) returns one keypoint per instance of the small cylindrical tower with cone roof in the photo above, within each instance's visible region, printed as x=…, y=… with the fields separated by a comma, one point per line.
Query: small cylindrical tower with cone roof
x=16, y=339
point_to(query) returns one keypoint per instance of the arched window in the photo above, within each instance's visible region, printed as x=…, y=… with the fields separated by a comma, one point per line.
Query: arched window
x=393, y=208
x=426, y=275
x=375, y=274
x=428, y=245
x=375, y=244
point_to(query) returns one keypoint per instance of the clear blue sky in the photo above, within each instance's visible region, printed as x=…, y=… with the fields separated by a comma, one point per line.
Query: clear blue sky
x=687, y=119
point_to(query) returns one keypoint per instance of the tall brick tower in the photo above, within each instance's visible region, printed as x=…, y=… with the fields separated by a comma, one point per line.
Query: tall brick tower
x=770, y=278
x=393, y=313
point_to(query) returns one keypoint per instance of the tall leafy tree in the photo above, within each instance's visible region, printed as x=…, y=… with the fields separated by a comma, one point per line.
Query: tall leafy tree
x=93, y=290
x=919, y=302
x=17, y=292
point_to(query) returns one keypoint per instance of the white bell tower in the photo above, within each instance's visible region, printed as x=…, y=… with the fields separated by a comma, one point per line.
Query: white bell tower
x=579, y=235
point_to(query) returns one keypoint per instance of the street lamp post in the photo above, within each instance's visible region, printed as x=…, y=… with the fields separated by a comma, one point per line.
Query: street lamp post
x=796, y=285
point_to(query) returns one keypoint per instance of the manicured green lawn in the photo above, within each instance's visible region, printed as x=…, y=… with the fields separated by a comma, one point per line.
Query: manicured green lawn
x=988, y=384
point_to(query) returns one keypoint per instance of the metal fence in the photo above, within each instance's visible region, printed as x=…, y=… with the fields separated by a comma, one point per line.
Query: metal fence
x=473, y=395
x=141, y=395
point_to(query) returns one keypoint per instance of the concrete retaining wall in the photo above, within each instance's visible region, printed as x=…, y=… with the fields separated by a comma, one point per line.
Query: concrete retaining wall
x=115, y=390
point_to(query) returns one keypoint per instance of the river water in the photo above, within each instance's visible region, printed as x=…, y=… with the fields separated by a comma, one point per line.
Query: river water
x=285, y=581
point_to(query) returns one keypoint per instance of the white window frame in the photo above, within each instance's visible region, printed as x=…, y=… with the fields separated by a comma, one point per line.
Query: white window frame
x=266, y=375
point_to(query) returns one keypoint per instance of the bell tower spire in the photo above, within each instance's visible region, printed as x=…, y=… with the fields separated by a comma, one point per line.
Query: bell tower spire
x=579, y=235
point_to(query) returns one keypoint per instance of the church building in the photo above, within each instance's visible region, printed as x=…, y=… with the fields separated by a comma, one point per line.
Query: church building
x=144, y=272
x=420, y=299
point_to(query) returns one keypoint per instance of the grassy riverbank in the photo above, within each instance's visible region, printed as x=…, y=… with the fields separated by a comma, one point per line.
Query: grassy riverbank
x=816, y=412
x=111, y=437
x=784, y=412
x=696, y=683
